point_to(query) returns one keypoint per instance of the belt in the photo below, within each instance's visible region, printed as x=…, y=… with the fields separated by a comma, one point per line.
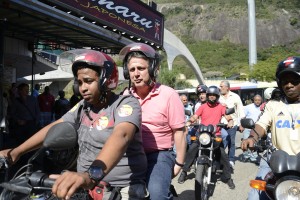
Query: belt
x=158, y=150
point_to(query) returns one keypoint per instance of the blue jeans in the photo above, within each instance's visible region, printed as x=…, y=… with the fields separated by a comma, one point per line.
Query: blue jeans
x=263, y=170
x=159, y=174
x=135, y=191
x=228, y=136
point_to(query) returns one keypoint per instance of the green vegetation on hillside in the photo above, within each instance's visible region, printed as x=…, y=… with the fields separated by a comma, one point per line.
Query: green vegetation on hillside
x=222, y=59
x=286, y=4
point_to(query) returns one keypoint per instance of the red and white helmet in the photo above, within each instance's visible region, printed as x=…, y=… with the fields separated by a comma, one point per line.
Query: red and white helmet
x=104, y=65
x=288, y=65
x=201, y=89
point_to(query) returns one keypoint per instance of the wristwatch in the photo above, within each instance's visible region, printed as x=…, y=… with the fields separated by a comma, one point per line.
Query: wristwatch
x=96, y=173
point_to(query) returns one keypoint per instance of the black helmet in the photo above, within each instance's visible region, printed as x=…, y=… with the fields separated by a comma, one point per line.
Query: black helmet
x=201, y=89
x=288, y=65
x=276, y=94
x=213, y=90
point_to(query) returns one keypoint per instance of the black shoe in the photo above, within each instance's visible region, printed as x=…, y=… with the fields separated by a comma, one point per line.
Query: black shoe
x=182, y=177
x=230, y=184
x=231, y=170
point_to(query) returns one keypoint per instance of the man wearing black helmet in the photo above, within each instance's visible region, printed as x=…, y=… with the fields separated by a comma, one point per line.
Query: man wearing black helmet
x=211, y=113
x=109, y=137
x=282, y=117
x=193, y=145
x=162, y=119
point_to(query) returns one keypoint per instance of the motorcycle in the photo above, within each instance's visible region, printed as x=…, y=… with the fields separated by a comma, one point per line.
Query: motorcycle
x=36, y=185
x=283, y=182
x=206, y=164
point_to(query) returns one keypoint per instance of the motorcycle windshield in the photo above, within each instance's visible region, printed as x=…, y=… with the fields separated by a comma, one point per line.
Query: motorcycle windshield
x=281, y=162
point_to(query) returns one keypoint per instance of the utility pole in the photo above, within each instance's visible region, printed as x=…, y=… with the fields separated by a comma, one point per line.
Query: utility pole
x=252, y=34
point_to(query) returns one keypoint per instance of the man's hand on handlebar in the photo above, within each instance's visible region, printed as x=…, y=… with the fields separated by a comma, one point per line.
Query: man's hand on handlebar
x=67, y=183
x=230, y=124
x=188, y=123
x=248, y=143
x=11, y=155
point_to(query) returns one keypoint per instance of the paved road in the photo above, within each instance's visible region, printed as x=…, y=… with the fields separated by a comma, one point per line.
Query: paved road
x=242, y=174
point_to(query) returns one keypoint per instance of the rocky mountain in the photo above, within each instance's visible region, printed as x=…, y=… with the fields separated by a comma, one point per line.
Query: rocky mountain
x=214, y=21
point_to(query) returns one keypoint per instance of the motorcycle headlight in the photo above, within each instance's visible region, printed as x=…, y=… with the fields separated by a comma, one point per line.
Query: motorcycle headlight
x=288, y=190
x=204, y=139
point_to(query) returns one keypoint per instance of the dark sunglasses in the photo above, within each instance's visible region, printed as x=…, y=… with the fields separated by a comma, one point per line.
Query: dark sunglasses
x=293, y=82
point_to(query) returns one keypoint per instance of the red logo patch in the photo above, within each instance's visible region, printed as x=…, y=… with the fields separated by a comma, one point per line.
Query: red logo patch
x=288, y=61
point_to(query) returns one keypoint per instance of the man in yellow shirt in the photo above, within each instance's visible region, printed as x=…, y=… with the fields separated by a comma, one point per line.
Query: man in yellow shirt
x=282, y=117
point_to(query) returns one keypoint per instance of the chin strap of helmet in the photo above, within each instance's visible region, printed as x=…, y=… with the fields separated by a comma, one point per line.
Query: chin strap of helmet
x=86, y=109
x=103, y=97
x=211, y=102
x=151, y=82
x=129, y=86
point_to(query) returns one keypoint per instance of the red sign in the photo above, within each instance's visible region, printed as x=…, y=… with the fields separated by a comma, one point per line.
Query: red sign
x=131, y=16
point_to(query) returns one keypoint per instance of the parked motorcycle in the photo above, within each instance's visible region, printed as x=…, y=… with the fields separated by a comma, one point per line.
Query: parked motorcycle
x=29, y=184
x=283, y=182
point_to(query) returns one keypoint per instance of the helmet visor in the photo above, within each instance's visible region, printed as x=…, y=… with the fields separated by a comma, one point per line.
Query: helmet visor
x=87, y=56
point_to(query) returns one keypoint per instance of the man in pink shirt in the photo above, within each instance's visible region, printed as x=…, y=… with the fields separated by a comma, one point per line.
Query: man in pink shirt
x=211, y=113
x=163, y=118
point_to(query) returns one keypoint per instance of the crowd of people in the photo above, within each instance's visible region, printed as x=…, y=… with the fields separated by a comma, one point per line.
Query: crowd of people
x=26, y=113
x=133, y=144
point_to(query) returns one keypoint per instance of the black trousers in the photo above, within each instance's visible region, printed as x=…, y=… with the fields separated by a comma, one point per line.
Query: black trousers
x=191, y=155
x=222, y=156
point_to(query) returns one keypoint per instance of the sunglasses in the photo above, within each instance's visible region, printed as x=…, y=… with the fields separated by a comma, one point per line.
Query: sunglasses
x=293, y=82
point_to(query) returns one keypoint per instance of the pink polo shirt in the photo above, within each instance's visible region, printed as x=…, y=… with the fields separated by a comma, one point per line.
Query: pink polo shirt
x=162, y=112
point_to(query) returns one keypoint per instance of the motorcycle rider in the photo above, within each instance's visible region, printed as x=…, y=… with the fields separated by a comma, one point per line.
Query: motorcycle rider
x=193, y=145
x=267, y=96
x=109, y=137
x=211, y=112
x=282, y=117
x=162, y=119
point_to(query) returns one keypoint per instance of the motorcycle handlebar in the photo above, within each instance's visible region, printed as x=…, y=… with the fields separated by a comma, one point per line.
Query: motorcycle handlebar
x=39, y=179
x=48, y=182
x=219, y=125
x=222, y=125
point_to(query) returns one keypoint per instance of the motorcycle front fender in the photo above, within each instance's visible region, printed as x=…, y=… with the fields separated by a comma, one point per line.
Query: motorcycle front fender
x=203, y=160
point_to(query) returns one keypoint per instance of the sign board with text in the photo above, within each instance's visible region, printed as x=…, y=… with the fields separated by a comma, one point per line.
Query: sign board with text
x=133, y=17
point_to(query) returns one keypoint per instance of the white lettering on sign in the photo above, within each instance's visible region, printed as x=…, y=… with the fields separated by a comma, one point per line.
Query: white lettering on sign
x=126, y=13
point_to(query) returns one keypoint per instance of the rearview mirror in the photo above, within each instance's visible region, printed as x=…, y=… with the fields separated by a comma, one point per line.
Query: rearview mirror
x=61, y=136
x=247, y=123
x=229, y=111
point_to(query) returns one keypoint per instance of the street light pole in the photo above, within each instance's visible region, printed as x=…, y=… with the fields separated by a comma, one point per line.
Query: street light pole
x=252, y=34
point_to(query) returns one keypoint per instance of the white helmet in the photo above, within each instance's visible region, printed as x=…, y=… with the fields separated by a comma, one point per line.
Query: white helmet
x=268, y=93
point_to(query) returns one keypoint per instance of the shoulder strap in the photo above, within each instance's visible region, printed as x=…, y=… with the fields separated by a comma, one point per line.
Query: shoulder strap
x=78, y=117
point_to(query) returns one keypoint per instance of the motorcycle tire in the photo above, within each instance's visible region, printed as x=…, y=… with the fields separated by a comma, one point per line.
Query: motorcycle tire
x=201, y=186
